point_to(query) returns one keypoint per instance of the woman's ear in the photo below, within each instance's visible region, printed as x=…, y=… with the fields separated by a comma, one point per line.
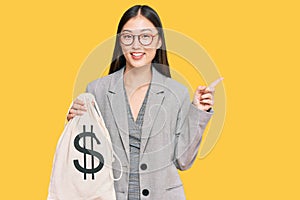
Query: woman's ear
x=159, y=44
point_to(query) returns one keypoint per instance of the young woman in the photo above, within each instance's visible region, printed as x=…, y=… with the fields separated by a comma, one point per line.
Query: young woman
x=154, y=127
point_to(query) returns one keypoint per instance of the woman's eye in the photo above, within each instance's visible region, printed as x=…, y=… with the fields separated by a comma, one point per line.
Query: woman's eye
x=127, y=37
x=146, y=36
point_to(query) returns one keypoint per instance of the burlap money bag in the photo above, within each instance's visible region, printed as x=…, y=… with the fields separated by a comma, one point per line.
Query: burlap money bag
x=82, y=165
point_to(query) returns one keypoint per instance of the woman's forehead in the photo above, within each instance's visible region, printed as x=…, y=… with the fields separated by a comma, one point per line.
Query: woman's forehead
x=140, y=30
x=139, y=24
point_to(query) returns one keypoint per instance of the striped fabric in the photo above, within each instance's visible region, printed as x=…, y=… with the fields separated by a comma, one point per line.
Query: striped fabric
x=135, y=131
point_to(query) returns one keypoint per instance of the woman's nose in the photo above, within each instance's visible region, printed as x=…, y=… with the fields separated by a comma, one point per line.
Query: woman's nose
x=136, y=43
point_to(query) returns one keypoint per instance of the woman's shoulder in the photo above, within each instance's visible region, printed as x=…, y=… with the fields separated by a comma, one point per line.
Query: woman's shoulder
x=175, y=86
x=168, y=83
x=99, y=83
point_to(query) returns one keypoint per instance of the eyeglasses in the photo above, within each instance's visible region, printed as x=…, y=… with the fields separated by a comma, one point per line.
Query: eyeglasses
x=145, y=39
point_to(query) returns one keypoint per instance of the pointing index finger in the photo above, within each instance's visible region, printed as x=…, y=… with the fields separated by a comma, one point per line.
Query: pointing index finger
x=212, y=86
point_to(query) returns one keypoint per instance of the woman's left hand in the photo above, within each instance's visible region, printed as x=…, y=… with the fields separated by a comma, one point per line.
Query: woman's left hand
x=204, y=96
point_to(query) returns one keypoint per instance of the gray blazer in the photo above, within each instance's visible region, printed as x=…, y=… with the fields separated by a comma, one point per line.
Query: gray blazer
x=171, y=133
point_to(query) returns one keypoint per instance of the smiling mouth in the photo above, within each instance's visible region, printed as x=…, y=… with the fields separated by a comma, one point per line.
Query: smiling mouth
x=137, y=55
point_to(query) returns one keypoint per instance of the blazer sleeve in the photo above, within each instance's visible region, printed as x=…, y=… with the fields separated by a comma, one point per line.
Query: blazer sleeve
x=190, y=125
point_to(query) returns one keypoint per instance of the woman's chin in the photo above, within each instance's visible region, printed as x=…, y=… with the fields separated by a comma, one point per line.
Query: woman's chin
x=136, y=64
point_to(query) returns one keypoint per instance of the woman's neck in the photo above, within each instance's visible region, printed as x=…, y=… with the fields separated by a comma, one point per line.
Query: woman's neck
x=137, y=77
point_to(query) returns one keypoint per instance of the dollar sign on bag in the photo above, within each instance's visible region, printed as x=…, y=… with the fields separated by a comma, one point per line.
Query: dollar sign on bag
x=85, y=151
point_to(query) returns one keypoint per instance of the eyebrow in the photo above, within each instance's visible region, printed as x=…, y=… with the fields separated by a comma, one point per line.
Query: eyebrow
x=142, y=30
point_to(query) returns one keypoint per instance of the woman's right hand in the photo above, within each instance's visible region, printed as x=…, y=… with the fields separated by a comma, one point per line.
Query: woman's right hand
x=78, y=108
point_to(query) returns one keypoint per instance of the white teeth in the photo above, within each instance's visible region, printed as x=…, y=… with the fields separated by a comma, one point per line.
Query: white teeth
x=137, y=54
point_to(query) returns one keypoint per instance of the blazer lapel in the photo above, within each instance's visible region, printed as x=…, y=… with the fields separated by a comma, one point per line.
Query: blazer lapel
x=119, y=110
x=155, y=99
x=118, y=107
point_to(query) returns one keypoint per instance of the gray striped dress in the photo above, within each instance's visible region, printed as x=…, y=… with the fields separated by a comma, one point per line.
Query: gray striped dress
x=135, y=131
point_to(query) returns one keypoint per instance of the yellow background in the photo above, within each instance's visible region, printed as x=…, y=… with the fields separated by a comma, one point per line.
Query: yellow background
x=255, y=45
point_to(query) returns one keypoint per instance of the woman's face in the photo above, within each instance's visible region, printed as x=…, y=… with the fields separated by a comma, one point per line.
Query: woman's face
x=139, y=40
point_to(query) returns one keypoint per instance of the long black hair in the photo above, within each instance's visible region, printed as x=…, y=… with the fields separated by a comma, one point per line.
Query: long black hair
x=118, y=60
